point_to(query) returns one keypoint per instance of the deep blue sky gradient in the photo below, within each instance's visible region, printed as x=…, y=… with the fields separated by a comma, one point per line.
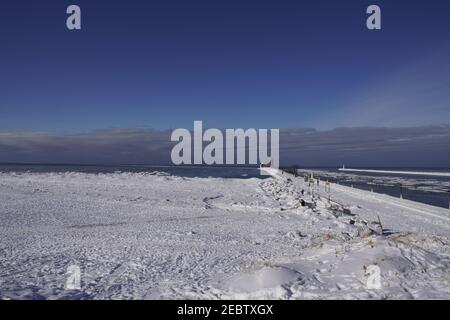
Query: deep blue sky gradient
x=264, y=64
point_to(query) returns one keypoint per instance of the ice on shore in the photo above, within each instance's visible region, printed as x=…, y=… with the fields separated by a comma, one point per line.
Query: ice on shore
x=156, y=236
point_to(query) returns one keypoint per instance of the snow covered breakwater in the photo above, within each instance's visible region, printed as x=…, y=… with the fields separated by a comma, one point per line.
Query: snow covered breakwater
x=141, y=235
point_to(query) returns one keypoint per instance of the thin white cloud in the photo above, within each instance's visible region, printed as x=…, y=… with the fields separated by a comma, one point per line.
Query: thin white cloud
x=415, y=94
x=365, y=146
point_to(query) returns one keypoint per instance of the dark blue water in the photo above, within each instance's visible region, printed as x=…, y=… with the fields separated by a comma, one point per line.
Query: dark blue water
x=183, y=171
x=431, y=190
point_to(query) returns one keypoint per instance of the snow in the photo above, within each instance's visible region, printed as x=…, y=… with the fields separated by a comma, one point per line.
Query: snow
x=265, y=283
x=157, y=236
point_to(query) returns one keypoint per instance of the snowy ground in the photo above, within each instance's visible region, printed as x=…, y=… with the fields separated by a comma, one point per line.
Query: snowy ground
x=155, y=236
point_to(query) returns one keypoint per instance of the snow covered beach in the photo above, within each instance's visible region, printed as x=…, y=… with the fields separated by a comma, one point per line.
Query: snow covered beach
x=158, y=236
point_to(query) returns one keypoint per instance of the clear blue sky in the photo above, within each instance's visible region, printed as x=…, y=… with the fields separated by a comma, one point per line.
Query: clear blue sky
x=247, y=63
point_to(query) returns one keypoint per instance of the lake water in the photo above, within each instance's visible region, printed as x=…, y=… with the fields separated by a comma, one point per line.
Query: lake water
x=184, y=171
x=432, y=190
